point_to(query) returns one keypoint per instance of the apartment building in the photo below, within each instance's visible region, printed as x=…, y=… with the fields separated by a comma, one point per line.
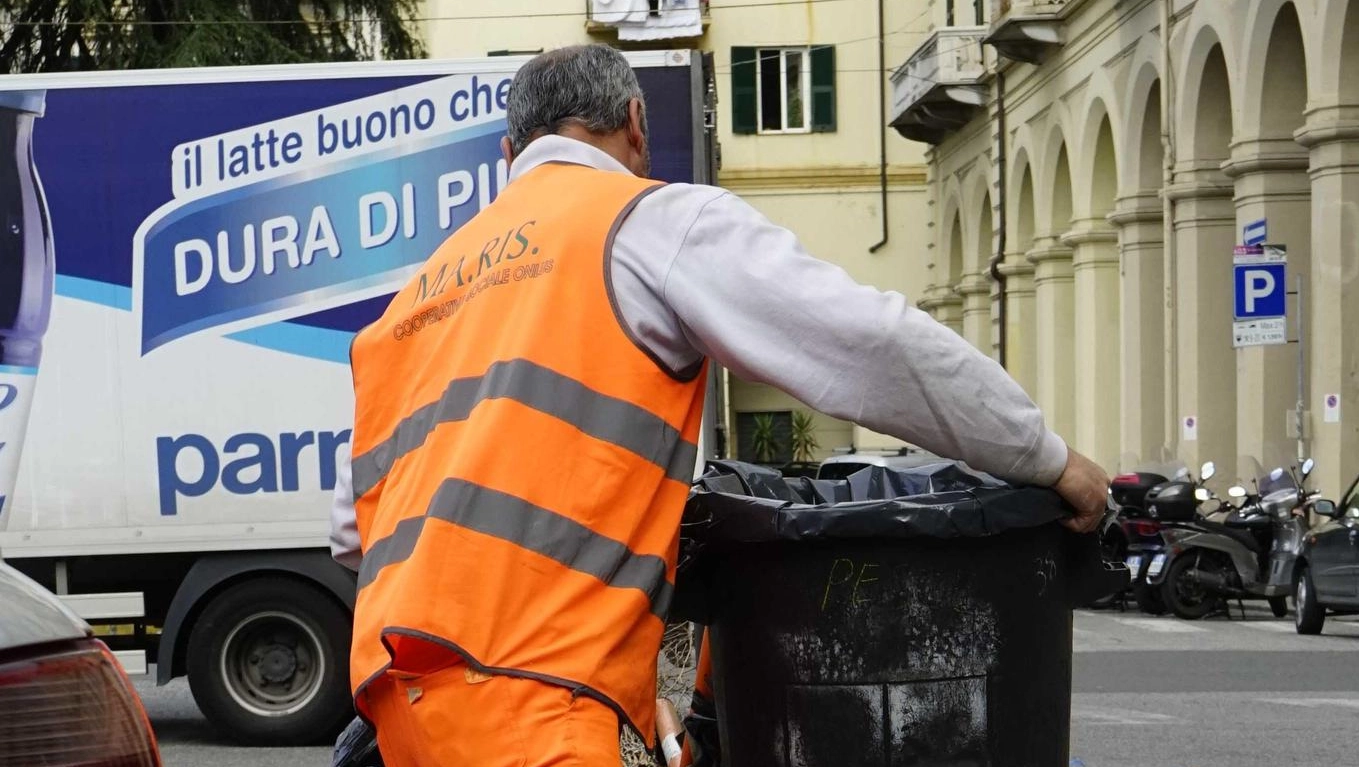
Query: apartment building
x=802, y=112
x=1093, y=165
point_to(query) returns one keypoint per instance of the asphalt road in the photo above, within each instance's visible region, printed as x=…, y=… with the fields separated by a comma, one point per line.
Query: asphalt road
x=1147, y=691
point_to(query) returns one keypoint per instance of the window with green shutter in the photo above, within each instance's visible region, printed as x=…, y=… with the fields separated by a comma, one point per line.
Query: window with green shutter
x=743, y=105
x=823, y=88
x=783, y=90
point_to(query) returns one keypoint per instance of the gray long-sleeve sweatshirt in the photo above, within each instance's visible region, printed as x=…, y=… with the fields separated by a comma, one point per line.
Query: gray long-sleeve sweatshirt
x=698, y=272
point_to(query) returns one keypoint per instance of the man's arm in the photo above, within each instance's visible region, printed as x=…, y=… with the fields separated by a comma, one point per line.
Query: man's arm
x=344, y=528
x=745, y=292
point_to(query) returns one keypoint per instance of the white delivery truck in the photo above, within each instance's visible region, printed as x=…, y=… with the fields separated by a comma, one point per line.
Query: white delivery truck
x=185, y=257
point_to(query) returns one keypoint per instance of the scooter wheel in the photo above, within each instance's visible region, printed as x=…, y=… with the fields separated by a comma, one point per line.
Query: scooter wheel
x=1184, y=597
x=1278, y=606
x=1148, y=598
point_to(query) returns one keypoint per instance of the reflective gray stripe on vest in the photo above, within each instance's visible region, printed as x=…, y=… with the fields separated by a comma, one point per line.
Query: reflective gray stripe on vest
x=603, y=417
x=545, y=532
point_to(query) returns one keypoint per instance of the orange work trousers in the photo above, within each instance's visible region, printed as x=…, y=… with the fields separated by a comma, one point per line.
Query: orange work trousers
x=458, y=717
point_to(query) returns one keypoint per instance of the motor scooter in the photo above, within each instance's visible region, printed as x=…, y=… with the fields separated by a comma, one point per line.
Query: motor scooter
x=1250, y=554
x=1136, y=538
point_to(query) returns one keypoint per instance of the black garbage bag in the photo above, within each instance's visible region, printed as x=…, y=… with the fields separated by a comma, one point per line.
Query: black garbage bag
x=357, y=746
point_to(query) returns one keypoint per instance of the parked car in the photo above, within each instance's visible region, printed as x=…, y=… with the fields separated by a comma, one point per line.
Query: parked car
x=841, y=466
x=66, y=699
x=1327, y=577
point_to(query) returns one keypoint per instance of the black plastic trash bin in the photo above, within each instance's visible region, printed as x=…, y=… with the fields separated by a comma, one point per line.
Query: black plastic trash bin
x=917, y=617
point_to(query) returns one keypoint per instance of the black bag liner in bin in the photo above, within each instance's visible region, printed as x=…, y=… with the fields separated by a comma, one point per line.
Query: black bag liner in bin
x=899, y=617
x=944, y=500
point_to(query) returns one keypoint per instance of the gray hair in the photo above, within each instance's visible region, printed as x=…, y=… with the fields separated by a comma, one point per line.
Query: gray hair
x=588, y=85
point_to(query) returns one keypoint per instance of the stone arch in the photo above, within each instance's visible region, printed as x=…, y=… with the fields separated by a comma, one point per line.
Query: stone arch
x=953, y=269
x=1337, y=52
x=1060, y=211
x=1023, y=213
x=1147, y=172
x=978, y=237
x=1102, y=105
x=1349, y=54
x=1211, y=130
x=1273, y=104
x=1205, y=100
x=1274, y=35
x=1054, y=207
x=1138, y=103
x=1099, y=161
x=982, y=242
x=950, y=242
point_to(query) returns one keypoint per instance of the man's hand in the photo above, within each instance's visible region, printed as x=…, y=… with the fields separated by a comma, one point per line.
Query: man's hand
x=1084, y=485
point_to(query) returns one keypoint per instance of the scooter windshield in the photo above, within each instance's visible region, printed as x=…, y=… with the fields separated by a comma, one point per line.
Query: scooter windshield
x=1275, y=481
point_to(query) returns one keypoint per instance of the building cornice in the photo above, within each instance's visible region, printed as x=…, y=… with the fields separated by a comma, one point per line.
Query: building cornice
x=1265, y=155
x=1199, y=190
x=1090, y=230
x=1142, y=208
x=820, y=178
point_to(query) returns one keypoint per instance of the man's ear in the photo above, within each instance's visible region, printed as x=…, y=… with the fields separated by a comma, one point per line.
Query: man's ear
x=636, y=135
x=507, y=151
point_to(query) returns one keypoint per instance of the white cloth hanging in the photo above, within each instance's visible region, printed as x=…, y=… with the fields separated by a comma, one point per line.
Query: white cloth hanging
x=618, y=12
x=677, y=18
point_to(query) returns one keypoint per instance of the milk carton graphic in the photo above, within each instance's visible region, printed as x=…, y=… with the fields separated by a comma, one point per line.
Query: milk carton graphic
x=26, y=274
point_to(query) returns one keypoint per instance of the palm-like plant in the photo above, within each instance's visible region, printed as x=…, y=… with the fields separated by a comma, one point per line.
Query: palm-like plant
x=803, y=436
x=763, y=443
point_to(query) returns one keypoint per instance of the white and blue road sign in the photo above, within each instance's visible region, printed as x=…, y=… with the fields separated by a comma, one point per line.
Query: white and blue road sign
x=1255, y=233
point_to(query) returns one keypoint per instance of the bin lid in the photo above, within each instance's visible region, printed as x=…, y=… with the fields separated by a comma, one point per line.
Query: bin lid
x=739, y=502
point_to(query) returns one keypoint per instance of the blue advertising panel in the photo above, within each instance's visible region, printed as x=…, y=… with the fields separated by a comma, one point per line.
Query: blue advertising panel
x=280, y=212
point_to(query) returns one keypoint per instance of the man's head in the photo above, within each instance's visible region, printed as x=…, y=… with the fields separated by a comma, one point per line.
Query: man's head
x=585, y=92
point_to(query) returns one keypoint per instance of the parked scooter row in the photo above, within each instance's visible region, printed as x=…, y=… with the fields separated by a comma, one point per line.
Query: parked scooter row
x=1189, y=551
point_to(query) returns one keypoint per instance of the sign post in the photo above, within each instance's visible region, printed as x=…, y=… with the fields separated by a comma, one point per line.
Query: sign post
x=1299, y=413
x=1260, y=310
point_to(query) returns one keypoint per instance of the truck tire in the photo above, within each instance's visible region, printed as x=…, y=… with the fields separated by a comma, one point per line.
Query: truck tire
x=1309, y=616
x=268, y=663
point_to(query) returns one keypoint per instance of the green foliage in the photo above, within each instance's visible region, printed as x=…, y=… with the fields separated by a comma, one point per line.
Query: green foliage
x=66, y=35
x=762, y=440
x=804, y=436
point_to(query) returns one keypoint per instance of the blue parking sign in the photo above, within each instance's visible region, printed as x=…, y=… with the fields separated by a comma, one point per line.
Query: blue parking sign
x=1261, y=290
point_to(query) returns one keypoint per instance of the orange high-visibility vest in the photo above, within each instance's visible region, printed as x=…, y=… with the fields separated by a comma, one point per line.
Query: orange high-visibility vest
x=520, y=460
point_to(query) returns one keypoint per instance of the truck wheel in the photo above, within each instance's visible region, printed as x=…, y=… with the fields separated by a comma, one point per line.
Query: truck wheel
x=1308, y=614
x=268, y=664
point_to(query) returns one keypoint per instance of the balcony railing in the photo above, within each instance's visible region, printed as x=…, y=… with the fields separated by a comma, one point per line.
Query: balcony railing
x=1027, y=30
x=939, y=87
x=597, y=23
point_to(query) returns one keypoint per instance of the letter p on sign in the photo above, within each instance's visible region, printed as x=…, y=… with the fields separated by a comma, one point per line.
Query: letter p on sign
x=1261, y=290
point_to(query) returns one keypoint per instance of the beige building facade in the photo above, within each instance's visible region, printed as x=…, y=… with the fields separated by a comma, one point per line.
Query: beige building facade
x=1105, y=170
x=822, y=181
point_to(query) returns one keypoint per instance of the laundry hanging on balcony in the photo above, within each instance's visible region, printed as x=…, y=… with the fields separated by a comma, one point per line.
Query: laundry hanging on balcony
x=619, y=12
x=664, y=19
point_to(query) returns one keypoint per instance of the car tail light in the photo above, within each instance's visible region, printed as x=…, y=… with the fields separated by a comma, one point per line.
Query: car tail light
x=73, y=708
x=1126, y=479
